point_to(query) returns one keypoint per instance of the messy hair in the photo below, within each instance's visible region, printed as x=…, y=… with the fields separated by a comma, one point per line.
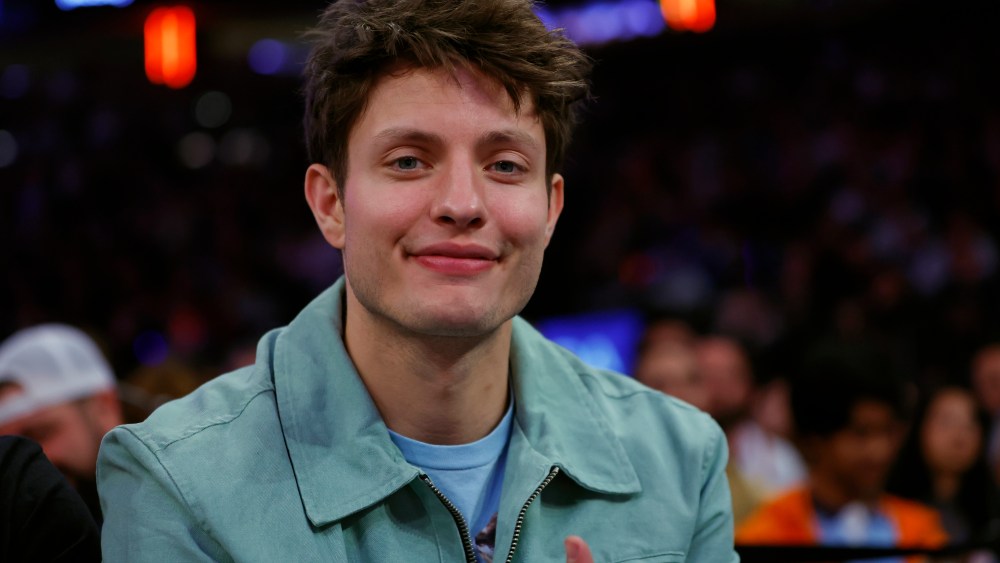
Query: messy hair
x=357, y=42
x=833, y=379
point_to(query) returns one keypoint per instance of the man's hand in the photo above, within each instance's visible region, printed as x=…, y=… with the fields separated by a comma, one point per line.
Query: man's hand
x=577, y=550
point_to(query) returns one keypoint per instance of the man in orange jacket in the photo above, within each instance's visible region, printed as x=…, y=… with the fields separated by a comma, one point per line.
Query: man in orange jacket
x=848, y=413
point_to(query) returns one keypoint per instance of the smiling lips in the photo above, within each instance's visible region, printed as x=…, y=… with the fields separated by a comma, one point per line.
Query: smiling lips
x=456, y=259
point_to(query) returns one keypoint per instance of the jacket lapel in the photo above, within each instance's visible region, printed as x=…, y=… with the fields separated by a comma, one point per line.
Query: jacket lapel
x=341, y=453
x=559, y=416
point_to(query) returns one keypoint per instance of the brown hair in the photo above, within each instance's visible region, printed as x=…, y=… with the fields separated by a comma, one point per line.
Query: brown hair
x=358, y=41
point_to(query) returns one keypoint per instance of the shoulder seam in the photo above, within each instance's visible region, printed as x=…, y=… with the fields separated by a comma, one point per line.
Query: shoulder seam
x=643, y=391
x=212, y=423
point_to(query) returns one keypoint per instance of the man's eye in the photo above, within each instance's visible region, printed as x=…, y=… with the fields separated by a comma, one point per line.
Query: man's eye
x=505, y=166
x=407, y=163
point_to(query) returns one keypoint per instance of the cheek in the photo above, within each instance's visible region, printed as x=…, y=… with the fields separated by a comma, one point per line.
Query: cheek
x=932, y=446
x=850, y=451
x=521, y=221
x=58, y=446
x=969, y=444
x=376, y=217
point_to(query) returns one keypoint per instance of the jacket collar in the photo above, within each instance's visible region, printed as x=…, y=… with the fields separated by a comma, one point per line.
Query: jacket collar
x=560, y=416
x=340, y=450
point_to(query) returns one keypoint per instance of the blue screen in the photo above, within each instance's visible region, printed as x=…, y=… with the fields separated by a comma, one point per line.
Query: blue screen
x=605, y=339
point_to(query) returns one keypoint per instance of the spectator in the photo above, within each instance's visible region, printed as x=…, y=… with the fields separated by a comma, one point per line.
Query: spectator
x=57, y=389
x=849, y=418
x=765, y=459
x=726, y=378
x=671, y=367
x=943, y=464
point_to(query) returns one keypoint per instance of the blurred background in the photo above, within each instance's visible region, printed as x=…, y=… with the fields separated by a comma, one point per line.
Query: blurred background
x=781, y=172
x=802, y=167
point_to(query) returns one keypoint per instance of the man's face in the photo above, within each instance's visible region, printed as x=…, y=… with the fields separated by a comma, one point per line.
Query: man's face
x=445, y=213
x=70, y=434
x=727, y=379
x=673, y=370
x=858, y=457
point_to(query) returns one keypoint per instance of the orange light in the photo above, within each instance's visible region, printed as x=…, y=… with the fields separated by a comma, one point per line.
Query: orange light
x=689, y=15
x=171, y=57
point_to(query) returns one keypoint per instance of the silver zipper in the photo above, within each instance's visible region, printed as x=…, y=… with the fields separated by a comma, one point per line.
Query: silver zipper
x=463, y=528
x=524, y=510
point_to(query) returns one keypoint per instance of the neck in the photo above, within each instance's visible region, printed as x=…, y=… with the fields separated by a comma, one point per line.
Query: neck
x=438, y=390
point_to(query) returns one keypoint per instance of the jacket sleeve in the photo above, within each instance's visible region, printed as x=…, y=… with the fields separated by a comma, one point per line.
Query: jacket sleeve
x=713, y=538
x=146, y=517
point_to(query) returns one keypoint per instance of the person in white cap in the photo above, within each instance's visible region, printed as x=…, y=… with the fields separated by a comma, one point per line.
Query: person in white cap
x=57, y=389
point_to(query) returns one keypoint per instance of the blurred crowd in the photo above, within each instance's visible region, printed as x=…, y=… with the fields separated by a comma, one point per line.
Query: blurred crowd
x=758, y=199
x=844, y=432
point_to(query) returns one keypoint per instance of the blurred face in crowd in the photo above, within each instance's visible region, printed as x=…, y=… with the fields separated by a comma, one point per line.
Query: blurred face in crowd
x=669, y=331
x=446, y=212
x=70, y=433
x=857, y=458
x=772, y=409
x=728, y=382
x=950, y=437
x=672, y=369
x=986, y=378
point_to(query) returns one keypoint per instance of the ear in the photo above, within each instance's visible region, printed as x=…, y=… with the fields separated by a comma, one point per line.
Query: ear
x=324, y=201
x=555, y=206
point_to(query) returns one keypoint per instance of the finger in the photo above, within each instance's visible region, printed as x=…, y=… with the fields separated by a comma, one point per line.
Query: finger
x=577, y=550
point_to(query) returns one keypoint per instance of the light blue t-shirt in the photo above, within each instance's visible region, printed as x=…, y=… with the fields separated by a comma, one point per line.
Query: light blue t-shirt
x=857, y=525
x=470, y=475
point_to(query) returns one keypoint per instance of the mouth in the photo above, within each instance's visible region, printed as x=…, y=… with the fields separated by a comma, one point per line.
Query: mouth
x=456, y=259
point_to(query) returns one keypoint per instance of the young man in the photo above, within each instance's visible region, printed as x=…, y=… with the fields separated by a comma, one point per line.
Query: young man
x=57, y=389
x=848, y=418
x=407, y=414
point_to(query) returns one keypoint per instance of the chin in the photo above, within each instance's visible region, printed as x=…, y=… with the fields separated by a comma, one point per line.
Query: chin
x=457, y=327
x=457, y=321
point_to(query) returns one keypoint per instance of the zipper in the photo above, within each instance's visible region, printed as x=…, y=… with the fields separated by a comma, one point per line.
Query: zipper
x=524, y=510
x=463, y=528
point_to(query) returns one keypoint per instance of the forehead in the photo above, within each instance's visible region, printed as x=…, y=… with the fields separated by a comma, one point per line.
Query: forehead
x=952, y=400
x=719, y=351
x=458, y=101
x=872, y=412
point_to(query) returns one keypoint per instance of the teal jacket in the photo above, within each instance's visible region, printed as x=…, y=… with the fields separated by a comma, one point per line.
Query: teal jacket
x=288, y=460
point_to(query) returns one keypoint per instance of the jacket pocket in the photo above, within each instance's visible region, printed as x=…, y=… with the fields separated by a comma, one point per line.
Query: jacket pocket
x=665, y=557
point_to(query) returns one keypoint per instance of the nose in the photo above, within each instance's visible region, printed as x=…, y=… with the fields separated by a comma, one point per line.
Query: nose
x=459, y=198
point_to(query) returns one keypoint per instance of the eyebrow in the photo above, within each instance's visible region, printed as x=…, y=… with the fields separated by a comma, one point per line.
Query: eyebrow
x=507, y=137
x=499, y=137
x=409, y=135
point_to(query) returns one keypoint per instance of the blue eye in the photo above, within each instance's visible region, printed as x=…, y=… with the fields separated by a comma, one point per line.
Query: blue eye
x=505, y=166
x=407, y=163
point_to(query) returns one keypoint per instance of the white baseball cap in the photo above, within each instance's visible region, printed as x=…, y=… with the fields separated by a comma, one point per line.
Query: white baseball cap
x=52, y=364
